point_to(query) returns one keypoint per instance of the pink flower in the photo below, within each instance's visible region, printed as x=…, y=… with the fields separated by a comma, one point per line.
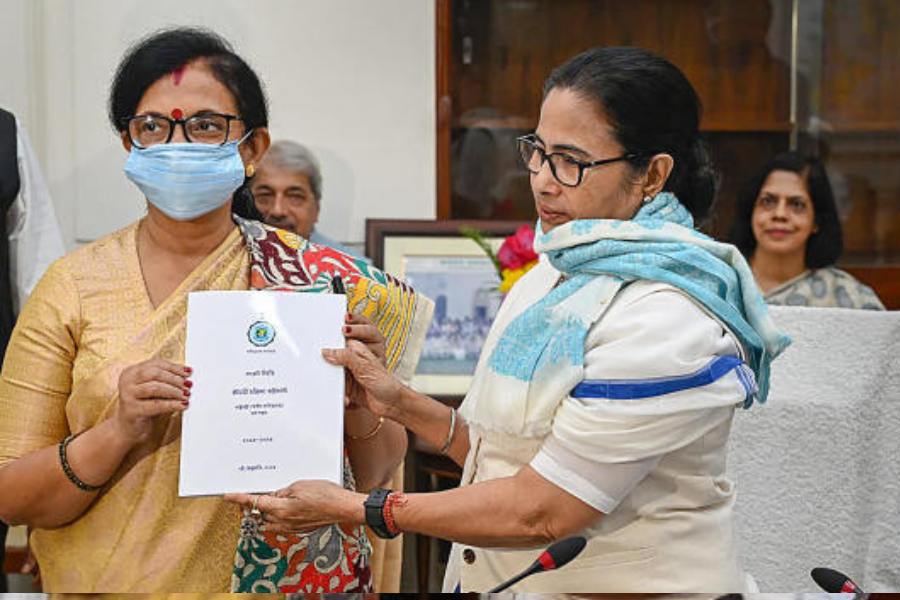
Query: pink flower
x=518, y=249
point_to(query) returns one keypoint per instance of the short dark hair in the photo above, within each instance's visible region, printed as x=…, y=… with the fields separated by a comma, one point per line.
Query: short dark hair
x=653, y=108
x=164, y=51
x=824, y=247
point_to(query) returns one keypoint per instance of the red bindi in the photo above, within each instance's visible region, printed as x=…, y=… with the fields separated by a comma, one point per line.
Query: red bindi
x=177, y=74
x=177, y=113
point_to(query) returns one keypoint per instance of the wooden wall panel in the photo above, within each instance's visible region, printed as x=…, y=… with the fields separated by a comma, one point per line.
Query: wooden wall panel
x=504, y=49
x=736, y=54
x=861, y=59
x=444, y=103
x=884, y=280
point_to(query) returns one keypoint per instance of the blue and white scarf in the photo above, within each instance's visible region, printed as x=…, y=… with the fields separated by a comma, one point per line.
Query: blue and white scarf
x=539, y=357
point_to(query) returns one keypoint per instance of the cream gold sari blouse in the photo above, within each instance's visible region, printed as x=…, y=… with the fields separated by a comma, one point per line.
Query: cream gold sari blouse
x=89, y=318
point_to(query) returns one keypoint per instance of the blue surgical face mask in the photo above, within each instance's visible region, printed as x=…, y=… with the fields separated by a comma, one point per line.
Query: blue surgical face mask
x=186, y=180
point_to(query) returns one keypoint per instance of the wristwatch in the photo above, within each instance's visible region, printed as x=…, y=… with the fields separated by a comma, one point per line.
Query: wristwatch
x=375, y=513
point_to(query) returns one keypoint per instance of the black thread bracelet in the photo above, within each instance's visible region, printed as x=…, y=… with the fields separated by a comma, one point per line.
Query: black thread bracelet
x=86, y=487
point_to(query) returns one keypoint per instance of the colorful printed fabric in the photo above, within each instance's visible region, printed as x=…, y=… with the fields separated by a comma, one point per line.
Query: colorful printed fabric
x=283, y=261
x=826, y=288
x=539, y=356
x=335, y=558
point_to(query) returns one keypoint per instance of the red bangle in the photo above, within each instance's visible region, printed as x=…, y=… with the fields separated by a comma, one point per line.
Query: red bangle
x=388, y=512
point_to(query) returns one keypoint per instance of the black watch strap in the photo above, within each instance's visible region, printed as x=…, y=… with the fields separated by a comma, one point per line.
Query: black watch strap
x=375, y=513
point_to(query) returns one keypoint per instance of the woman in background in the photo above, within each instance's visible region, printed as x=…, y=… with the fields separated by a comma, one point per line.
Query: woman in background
x=787, y=226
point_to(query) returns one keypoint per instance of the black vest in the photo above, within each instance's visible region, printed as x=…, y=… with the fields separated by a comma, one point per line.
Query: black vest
x=9, y=190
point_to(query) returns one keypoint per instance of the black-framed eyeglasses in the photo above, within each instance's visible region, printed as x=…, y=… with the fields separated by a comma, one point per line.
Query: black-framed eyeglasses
x=203, y=128
x=566, y=169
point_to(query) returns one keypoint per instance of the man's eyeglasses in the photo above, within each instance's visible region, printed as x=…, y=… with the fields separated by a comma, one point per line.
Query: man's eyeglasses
x=205, y=128
x=566, y=170
x=265, y=196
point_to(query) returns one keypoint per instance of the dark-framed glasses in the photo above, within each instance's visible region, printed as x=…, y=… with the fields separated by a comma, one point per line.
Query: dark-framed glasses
x=203, y=128
x=566, y=169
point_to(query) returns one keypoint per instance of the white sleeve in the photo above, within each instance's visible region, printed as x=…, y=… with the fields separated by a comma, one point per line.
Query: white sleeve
x=35, y=239
x=597, y=484
x=659, y=373
x=603, y=485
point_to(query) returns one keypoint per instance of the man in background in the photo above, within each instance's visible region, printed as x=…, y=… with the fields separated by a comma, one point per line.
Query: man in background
x=34, y=241
x=287, y=191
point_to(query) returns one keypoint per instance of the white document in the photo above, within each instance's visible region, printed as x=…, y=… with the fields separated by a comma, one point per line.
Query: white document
x=265, y=409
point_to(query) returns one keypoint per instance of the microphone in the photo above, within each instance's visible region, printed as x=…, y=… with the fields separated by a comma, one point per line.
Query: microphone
x=557, y=555
x=835, y=582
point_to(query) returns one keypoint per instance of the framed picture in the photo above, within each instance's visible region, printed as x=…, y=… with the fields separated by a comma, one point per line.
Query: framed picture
x=451, y=269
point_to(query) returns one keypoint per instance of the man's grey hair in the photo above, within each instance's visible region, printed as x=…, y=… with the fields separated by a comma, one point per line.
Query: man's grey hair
x=295, y=157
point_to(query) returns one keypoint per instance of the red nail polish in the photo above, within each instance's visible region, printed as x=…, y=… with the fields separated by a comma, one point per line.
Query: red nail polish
x=189, y=370
x=348, y=317
x=188, y=383
x=347, y=329
x=187, y=392
x=185, y=403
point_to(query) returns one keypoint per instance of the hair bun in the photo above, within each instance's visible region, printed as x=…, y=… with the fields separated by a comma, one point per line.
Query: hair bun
x=701, y=181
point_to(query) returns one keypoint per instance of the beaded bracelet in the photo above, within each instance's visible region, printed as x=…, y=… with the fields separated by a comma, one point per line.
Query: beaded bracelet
x=394, y=498
x=81, y=485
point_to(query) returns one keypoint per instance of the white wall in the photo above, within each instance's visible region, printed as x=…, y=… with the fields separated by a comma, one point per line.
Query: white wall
x=352, y=79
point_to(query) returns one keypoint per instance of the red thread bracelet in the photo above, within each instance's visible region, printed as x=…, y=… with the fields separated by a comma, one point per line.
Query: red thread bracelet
x=393, y=498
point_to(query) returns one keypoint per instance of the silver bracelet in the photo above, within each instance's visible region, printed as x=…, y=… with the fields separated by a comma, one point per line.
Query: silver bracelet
x=450, y=434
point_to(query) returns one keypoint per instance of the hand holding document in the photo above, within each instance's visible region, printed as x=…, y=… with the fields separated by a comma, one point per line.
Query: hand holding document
x=266, y=409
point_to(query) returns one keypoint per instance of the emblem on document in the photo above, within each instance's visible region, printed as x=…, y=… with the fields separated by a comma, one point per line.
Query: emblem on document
x=261, y=333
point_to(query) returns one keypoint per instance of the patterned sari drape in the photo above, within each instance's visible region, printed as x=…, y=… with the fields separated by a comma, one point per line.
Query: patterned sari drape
x=337, y=558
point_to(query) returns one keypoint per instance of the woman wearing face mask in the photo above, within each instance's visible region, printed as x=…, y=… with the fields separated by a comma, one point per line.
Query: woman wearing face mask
x=94, y=384
x=788, y=228
x=603, y=399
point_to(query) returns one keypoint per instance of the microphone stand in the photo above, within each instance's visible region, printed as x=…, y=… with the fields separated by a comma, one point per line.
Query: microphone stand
x=514, y=580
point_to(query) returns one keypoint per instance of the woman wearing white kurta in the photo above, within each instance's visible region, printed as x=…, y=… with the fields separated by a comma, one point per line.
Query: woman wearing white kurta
x=603, y=398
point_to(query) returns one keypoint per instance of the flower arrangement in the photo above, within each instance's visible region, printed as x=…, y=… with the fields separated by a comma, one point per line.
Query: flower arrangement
x=515, y=257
